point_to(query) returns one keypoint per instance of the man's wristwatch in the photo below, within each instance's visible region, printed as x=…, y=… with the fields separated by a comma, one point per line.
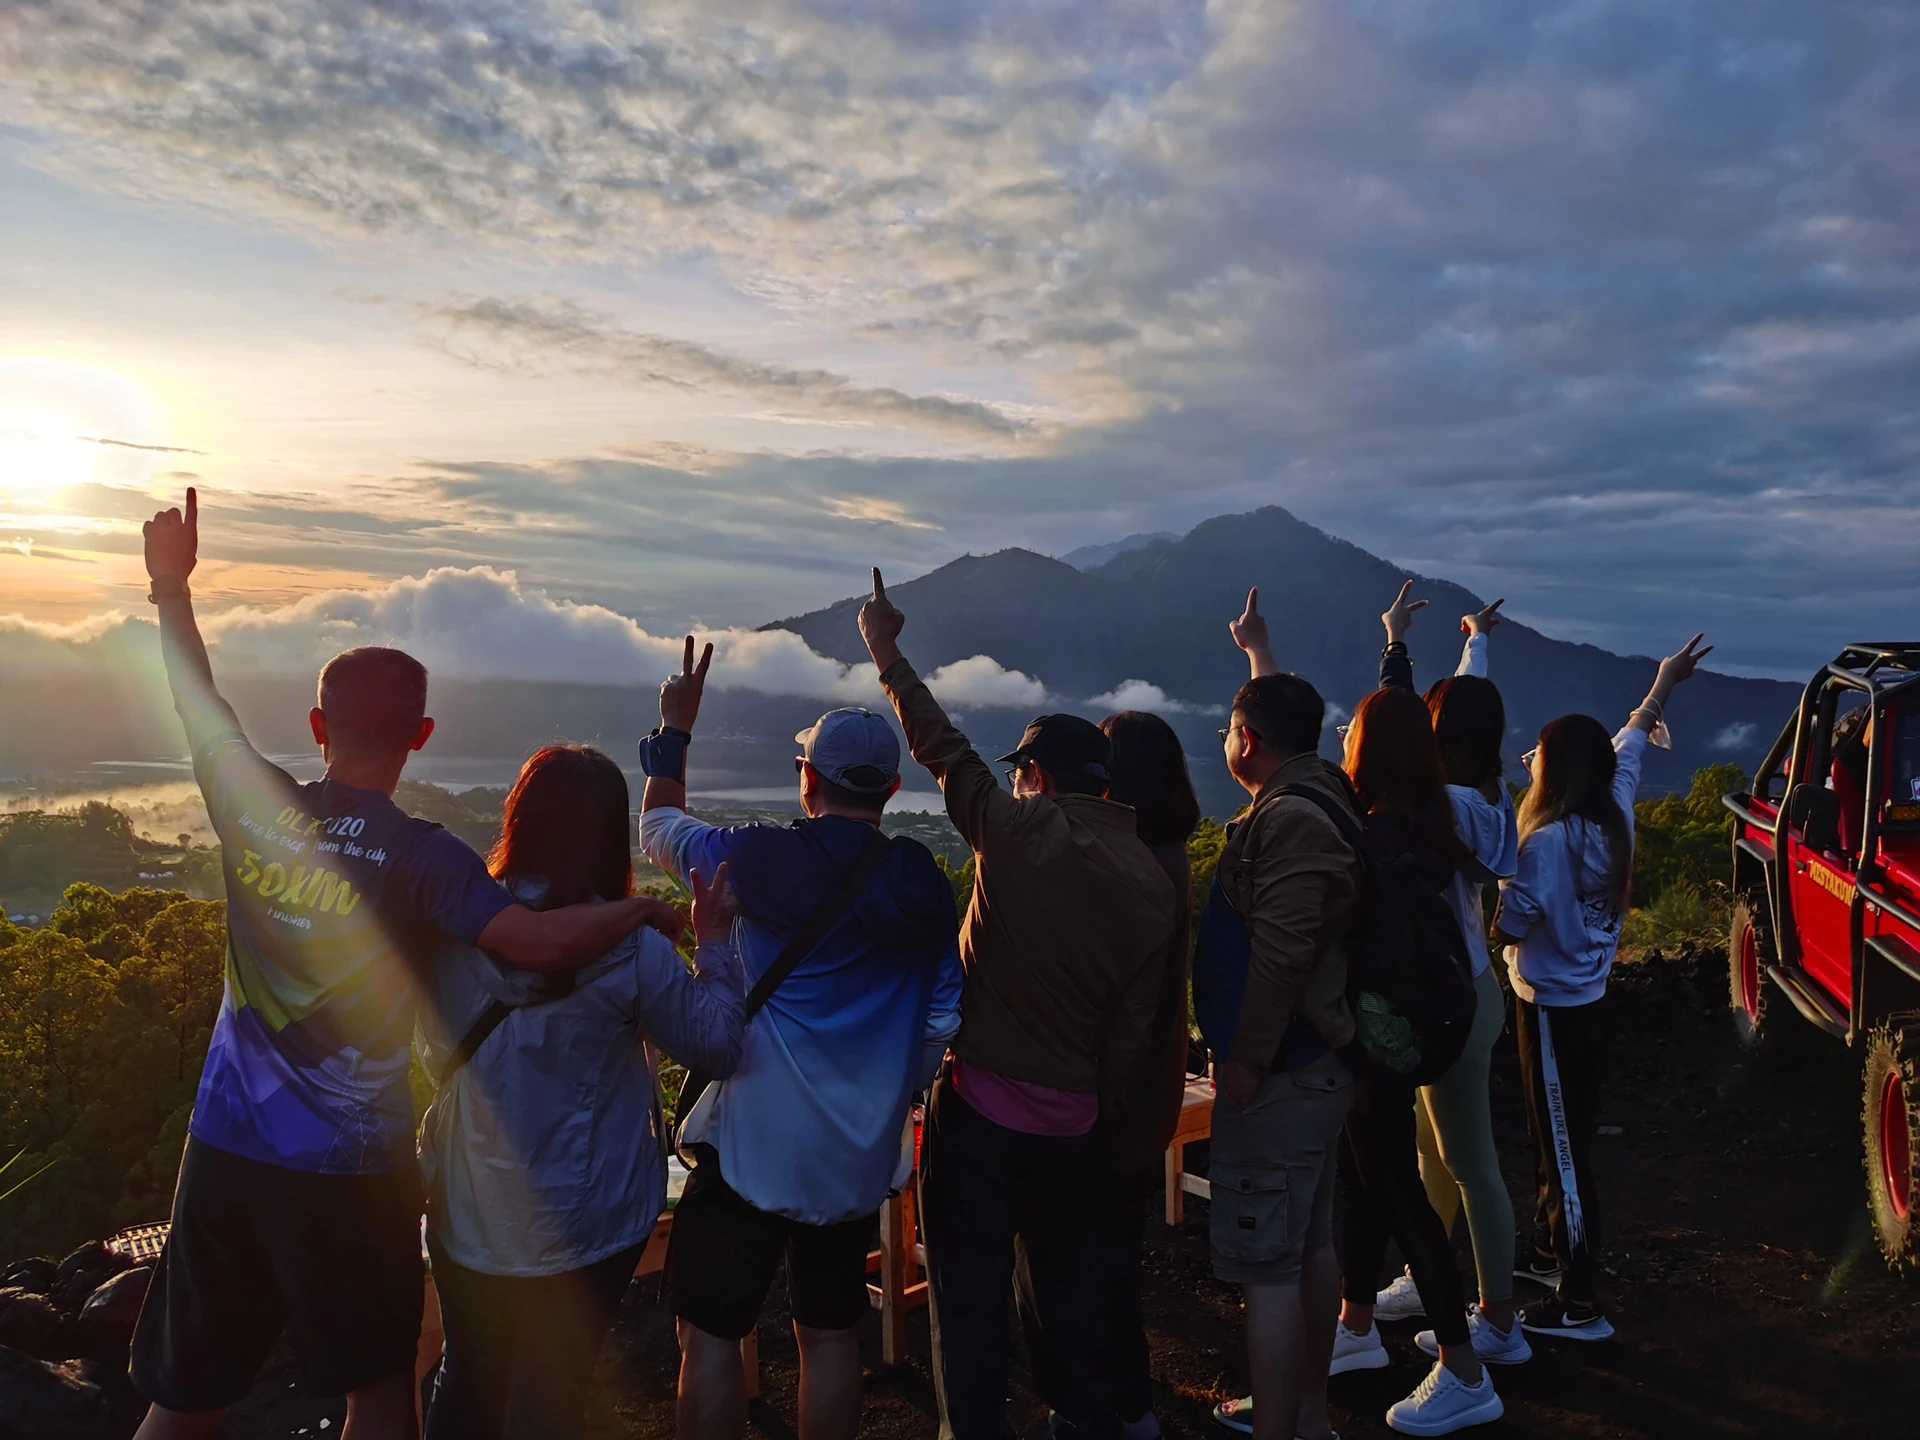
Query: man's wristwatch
x=167, y=587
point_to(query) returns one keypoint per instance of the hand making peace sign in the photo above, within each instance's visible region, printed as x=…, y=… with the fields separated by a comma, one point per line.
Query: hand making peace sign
x=680, y=695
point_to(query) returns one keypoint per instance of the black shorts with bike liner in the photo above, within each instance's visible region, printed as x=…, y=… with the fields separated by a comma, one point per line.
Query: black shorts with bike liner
x=333, y=1261
x=723, y=1254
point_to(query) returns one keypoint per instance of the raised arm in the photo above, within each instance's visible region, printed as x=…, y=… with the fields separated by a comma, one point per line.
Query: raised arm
x=172, y=543
x=975, y=802
x=663, y=754
x=1674, y=671
x=1249, y=632
x=1396, y=665
x=1477, y=626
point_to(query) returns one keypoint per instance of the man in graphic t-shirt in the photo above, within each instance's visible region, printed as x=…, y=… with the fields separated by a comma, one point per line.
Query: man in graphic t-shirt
x=297, y=1207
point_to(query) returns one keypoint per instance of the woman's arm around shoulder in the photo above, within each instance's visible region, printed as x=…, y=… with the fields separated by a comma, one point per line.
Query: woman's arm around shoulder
x=697, y=1016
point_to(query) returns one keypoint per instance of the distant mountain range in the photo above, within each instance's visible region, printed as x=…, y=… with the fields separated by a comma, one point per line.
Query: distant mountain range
x=1092, y=557
x=1158, y=609
x=1155, y=610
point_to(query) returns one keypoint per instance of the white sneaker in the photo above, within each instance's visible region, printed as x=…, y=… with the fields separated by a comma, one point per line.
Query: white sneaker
x=1357, y=1352
x=1235, y=1415
x=1238, y=1415
x=1493, y=1345
x=1442, y=1404
x=1400, y=1300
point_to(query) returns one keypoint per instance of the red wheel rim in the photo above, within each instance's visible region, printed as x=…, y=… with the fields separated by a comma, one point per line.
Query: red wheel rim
x=1896, y=1153
x=1750, y=974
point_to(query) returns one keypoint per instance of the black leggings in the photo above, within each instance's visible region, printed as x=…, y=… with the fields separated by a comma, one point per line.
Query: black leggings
x=1381, y=1197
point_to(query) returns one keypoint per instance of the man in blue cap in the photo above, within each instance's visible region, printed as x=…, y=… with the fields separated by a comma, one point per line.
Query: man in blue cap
x=849, y=940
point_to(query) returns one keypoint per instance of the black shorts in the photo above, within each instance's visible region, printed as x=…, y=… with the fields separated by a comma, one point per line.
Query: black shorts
x=723, y=1254
x=334, y=1260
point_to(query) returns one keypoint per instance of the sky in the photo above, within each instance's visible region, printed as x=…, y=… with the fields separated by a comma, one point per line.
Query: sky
x=666, y=315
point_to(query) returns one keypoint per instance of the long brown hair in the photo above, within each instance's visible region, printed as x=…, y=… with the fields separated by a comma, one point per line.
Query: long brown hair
x=1394, y=763
x=1576, y=781
x=1148, y=770
x=566, y=823
x=1469, y=720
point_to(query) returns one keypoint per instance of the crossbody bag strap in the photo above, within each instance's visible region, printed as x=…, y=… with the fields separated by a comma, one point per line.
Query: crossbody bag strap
x=829, y=913
x=490, y=1020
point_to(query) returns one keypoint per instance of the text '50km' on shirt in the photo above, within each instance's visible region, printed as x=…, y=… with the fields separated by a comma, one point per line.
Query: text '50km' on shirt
x=337, y=901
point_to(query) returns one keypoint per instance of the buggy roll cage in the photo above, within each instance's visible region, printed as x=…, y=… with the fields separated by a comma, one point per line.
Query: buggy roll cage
x=1880, y=671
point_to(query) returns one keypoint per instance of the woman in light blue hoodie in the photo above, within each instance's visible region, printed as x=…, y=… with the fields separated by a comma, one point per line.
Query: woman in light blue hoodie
x=1560, y=919
x=544, y=1153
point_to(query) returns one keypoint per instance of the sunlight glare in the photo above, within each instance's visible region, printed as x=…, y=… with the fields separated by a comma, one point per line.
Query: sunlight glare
x=54, y=414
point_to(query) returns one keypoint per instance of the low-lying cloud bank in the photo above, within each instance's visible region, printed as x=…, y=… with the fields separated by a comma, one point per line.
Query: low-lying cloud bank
x=482, y=623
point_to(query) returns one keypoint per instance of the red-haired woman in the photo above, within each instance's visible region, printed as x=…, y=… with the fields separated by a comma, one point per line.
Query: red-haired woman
x=544, y=1153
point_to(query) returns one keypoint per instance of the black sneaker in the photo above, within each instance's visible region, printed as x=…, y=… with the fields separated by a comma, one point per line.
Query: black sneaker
x=1569, y=1321
x=1541, y=1272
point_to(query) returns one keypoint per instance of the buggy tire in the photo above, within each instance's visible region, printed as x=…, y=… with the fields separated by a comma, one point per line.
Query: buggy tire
x=1890, y=1122
x=1760, y=1012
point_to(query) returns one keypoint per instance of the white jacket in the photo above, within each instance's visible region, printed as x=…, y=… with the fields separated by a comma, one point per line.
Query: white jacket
x=1558, y=903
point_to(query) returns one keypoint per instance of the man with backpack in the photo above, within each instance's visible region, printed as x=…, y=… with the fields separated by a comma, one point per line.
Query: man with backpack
x=1270, y=990
x=1064, y=948
x=849, y=942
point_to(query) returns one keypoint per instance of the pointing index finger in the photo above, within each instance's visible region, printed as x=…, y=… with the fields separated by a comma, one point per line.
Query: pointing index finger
x=1253, y=601
x=193, y=512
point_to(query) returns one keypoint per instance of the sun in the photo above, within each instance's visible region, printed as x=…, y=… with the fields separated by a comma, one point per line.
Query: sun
x=41, y=455
x=65, y=425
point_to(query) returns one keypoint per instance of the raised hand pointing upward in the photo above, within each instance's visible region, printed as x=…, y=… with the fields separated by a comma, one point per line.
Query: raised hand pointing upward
x=1481, y=622
x=1250, y=634
x=173, y=543
x=680, y=696
x=880, y=625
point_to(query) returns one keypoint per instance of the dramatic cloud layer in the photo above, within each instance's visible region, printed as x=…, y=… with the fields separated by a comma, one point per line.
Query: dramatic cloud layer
x=483, y=624
x=1614, y=309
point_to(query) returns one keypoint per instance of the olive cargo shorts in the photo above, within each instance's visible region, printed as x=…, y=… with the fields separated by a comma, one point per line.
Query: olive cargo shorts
x=1272, y=1172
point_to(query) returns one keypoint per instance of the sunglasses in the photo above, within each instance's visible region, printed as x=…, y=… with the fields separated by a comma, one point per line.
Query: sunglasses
x=1228, y=732
x=1012, y=772
x=1526, y=760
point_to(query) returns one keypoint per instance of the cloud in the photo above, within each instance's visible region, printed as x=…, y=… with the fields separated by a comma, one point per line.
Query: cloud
x=982, y=680
x=131, y=445
x=1143, y=695
x=526, y=333
x=1738, y=736
x=484, y=624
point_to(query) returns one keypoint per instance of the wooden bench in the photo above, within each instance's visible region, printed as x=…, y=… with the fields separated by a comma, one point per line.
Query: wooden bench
x=1196, y=1123
x=900, y=1268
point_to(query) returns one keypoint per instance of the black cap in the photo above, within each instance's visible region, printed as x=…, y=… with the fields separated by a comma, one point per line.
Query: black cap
x=1064, y=745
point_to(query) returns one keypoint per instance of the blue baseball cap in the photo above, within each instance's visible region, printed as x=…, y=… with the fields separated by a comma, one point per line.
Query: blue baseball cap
x=853, y=748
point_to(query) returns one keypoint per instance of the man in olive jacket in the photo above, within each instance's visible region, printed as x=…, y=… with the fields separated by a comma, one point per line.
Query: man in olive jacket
x=1070, y=915
x=1288, y=885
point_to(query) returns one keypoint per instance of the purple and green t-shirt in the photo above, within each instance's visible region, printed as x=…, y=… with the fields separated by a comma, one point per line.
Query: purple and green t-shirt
x=337, y=901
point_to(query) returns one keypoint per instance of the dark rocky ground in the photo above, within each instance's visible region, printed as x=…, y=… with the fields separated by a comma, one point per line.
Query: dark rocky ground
x=1749, y=1298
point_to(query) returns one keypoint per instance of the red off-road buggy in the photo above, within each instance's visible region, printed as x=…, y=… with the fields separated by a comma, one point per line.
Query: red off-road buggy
x=1826, y=881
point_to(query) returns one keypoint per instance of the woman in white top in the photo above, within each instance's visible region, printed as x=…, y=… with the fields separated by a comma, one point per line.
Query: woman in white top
x=1560, y=919
x=544, y=1153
